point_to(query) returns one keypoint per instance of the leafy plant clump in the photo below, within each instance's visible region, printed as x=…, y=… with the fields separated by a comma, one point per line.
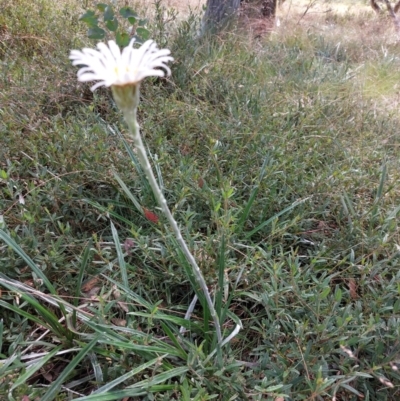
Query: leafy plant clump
x=104, y=23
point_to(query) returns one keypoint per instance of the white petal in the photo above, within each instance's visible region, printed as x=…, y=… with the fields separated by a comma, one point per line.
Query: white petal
x=108, y=65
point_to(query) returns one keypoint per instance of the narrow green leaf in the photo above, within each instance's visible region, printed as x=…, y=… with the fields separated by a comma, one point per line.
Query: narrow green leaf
x=246, y=210
x=179, y=321
x=361, y=374
x=185, y=392
x=173, y=338
x=271, y=389
x=221, y=278
x=84, y=263
x=160, y=378
x=352, y=390
x=1, y=336
x=275, y=216
x=48, y=317
x=32, y=369
x=338, y=295
x=7, y=364
x=349, y=205
x=379, y=192
x=128, y=193
x=132, y=295
x=17, y=249
x=324, y=293
x=97, y=368
x=107, y=387
x=55, y=386
x=245, y=214
x=109, y=212
x=25, y=314
x=148, y=349
x=122, y=394
x=157, y=167
x=120, y=254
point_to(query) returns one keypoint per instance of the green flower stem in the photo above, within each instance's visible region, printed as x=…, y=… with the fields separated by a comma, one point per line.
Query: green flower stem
x=124, y=99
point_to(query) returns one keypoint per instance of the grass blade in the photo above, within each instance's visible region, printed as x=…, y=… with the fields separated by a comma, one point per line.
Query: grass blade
x=27, y=315
x=379, y=192
x=245, y=214
x=221, y=278
x=172, y=337
x=144, y=182
x=34, y=368
x=140, y=388
x=107, y=387
x=1, y=337
x=156, y=165
x=121, y=259
x=6, y=365
x=169, y=318
x=109, y=212
x=84, y=263
x=161, y=378
x=128, y=193
x=50, y=318
x=123, y=394
x=55, y=386
x=275, y=216
x=131, y=295
x=17, y=249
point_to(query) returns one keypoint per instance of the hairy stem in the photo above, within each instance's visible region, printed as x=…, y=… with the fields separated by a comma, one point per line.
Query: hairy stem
x=130, y=117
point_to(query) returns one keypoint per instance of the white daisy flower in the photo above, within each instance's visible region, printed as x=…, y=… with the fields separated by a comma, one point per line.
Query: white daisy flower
x=111, y=67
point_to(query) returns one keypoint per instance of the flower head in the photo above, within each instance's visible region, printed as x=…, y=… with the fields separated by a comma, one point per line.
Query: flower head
x=111, y=67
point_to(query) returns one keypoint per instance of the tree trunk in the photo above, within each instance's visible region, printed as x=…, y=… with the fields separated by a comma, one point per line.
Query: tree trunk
x=393, y=15
x=268, y=9
x=218, y=12
x=375, y=6
x=377, y=9
x=260, y=8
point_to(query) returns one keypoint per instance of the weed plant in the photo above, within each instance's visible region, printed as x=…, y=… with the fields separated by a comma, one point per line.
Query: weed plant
x=278, y=158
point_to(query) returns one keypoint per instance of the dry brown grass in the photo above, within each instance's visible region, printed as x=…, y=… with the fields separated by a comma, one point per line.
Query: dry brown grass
x=302, y=12
x=297, y=6
x=343, y=21
x=182, y=6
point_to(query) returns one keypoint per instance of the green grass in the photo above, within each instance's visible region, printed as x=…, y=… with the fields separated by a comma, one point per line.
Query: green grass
x=278, y=158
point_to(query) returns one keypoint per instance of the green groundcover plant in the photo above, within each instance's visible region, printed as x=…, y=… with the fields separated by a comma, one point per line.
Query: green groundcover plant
x=247, y=247
x=103, y=22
